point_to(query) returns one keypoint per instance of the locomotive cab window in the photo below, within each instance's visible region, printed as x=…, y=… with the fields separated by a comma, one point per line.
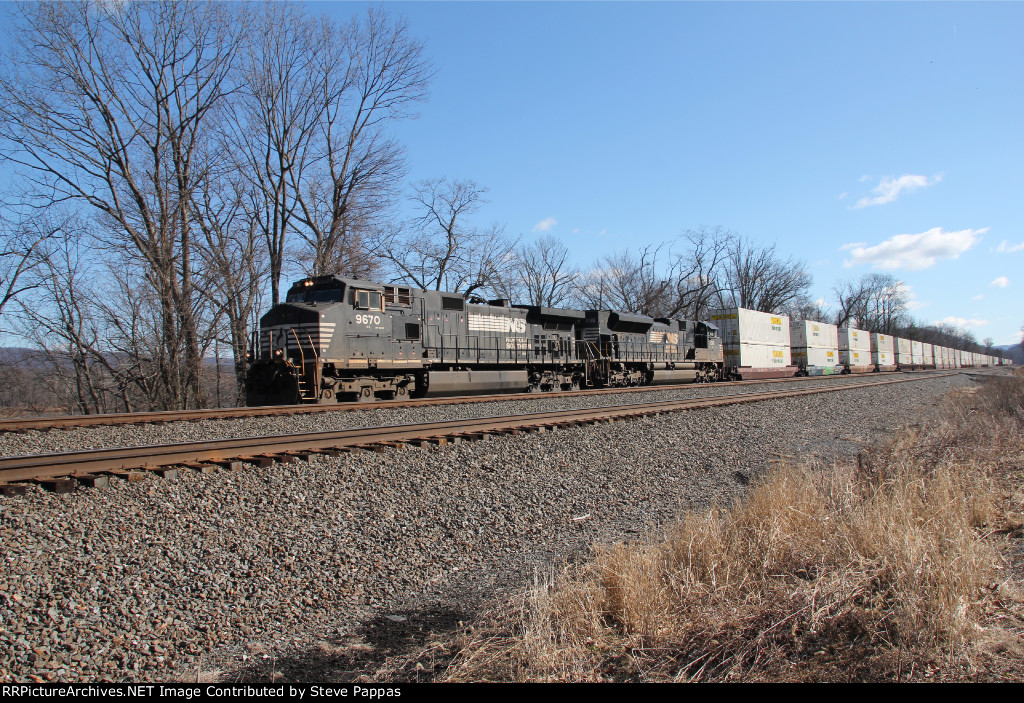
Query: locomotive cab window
x=320, y=295
x=369, y=300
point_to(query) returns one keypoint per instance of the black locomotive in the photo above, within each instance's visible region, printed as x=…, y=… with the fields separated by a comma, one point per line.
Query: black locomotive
x=340, y=339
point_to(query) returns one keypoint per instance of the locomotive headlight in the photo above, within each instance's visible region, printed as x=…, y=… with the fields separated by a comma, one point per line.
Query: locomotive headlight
x=307, y=282
x=278, y=353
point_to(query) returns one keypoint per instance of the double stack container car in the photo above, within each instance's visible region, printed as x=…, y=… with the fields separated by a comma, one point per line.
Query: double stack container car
x=882, y=357
x=855, y=350
x=756, y=344
x=815, y=347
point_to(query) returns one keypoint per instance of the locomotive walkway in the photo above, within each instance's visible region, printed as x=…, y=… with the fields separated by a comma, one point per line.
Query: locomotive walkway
x=23, y=424
x=62, y=472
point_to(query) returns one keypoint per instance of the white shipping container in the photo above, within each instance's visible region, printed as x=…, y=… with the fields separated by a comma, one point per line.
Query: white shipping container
x=742, y=326
x=882, y=358
x=852, y=357
x=901, y=351
x=807, y=333
x=757, y=356
x=881, y=342
x=815, y=356
x=928, y=352
x=854, y=339
x=917, y=352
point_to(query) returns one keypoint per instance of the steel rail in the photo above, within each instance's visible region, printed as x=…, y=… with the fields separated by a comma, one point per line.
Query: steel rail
x=164, y=416
x=91, y=462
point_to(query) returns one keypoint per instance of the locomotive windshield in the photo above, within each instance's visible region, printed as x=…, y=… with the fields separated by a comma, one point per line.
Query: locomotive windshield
x=334, y=294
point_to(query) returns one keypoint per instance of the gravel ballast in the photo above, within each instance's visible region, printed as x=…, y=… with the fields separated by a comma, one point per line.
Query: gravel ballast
x=159, y=579
x=103, y=437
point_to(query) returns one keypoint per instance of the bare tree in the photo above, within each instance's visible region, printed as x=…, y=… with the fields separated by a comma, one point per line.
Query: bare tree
x=805, y=308
x=275, y=120
x=677, y=279
x=111, y=106
x=628, y=281
x=696, y=272
x=539, y=273
x=371, y=72
x=755, y=277
x=66, y=321
x=24, y=247
x=234, y=270
x=440, y=249
x=876, y=302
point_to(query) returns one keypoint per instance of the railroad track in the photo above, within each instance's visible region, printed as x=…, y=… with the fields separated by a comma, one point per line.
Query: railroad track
x=22, y=424
x=61, y=472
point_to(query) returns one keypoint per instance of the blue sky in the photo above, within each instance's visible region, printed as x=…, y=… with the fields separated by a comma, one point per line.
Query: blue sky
x=858, y=136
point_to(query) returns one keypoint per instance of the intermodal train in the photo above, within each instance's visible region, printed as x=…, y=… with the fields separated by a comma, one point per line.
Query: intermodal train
x=342, y=339
x=337, y=339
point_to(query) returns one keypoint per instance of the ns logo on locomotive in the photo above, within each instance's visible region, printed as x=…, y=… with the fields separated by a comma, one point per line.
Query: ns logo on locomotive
x=337, y=339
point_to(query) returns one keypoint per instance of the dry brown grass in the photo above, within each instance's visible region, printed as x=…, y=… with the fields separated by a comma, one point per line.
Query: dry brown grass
x=891, y=568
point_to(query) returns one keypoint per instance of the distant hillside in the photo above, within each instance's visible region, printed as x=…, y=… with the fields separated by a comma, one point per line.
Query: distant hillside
x=27, y=357
x=1013, y=352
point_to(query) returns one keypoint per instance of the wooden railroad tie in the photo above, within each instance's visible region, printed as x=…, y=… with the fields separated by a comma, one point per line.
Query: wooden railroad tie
x=57, y=485
x=126, y=475
x=228, y=464
x=93, y=480
x=202, y=467
x=13, y=489
x=263, y=462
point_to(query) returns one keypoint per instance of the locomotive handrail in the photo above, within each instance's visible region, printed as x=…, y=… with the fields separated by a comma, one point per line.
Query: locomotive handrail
x=302, y=362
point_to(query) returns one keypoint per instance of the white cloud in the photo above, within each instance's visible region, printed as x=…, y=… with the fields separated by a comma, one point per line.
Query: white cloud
x=844, y=195
x=852, y=245
x=1005, y=246
x=961, y=322
x=914, y=251
x=977, y=297
x=913, y=304
x=545, y=225
x=1001, y=282
x=890, y=188
x=865, y=178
